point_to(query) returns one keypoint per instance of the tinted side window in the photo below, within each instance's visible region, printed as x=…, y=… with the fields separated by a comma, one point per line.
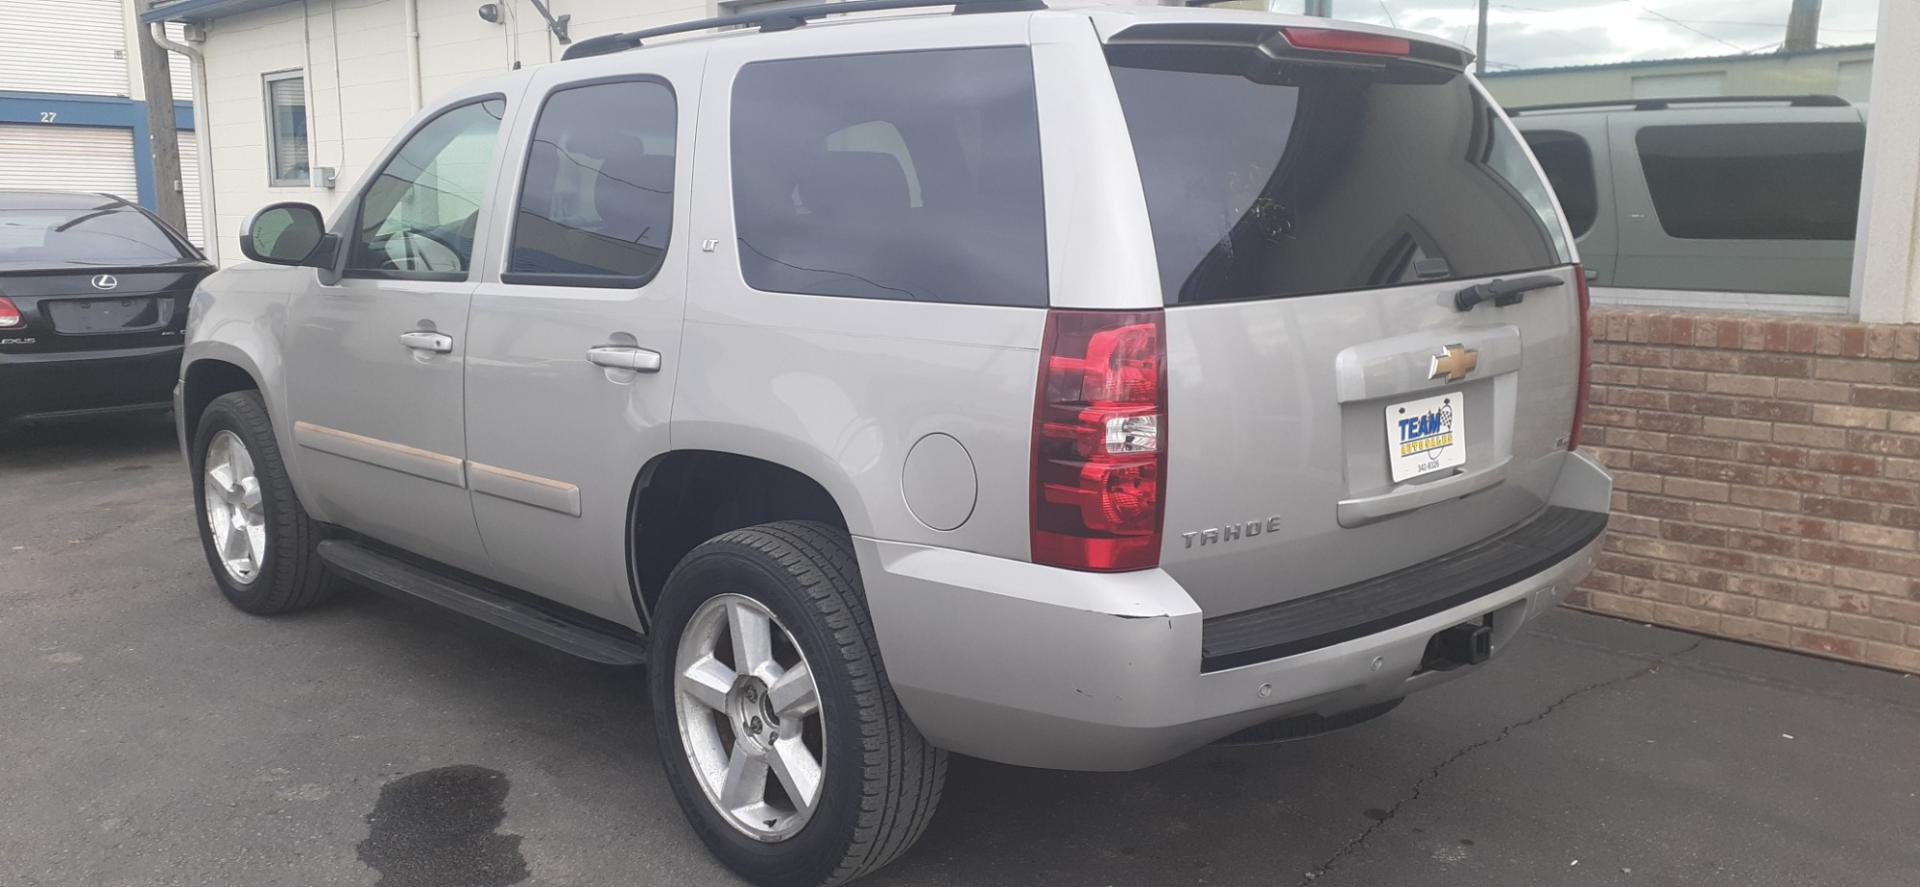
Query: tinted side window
x=417, y=219
x=1755, y=181
x=911, y=175
x=1568, y=163
x=596, y=207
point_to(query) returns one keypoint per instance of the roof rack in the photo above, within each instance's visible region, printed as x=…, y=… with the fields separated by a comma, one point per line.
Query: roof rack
x=1797, y=101
x=786, y=20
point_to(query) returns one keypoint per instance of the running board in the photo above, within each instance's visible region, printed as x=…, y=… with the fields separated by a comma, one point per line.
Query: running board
x=385, y=573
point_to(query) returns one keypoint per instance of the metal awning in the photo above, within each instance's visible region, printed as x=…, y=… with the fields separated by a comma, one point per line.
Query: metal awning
x=202, y=11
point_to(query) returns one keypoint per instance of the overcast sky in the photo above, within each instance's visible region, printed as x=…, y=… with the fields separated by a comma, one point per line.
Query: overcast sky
x=1545, y=33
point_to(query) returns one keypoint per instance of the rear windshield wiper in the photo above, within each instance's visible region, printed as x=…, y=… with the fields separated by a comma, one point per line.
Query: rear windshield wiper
x=1503, y=292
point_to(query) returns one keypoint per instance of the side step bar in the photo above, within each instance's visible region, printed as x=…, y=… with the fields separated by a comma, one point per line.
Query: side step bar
x=385, y=573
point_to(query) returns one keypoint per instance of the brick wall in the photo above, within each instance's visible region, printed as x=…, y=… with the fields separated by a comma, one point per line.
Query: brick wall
x=1766, y=479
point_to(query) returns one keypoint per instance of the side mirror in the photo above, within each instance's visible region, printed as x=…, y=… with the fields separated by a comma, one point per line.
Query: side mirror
x=283, y=234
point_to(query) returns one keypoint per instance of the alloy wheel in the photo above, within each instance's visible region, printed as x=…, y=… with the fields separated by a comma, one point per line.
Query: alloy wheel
x=749, y=713
x=235, y=518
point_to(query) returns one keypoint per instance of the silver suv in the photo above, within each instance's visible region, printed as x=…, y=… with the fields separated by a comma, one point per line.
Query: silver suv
x=1750, y=195
x=1064, y=388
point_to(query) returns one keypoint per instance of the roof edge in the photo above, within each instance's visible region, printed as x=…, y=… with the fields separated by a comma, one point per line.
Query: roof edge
x=202, y=11
x=1687, y=60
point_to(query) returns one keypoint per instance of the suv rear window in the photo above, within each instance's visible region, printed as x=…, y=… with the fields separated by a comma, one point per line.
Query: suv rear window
x=1755, y=181
x=907, y=175
x=1319, y=179
x=107, y=236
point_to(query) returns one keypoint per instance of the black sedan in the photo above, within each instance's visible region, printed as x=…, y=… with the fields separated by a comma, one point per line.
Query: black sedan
x=93, y=301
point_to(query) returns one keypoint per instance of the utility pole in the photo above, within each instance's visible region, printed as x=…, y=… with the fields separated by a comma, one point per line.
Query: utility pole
x=1480, y=41
x=157, y=77
x=1803, y=26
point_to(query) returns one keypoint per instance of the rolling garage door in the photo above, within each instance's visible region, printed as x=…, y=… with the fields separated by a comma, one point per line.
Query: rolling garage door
x=68, y=158
x=70, y=46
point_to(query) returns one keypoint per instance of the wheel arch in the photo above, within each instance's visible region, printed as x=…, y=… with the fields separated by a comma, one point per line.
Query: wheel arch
x=682, y=498
x=207, y=377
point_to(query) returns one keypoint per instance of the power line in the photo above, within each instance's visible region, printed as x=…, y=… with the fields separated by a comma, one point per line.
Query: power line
x=1684, y=25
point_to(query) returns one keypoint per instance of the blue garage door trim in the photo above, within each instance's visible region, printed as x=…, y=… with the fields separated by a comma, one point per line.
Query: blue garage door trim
x=52, y=109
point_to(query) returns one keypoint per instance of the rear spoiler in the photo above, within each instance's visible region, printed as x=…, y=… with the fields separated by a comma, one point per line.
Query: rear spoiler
x=1329, y=45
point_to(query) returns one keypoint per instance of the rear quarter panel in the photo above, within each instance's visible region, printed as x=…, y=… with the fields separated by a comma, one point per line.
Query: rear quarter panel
x=841, y=389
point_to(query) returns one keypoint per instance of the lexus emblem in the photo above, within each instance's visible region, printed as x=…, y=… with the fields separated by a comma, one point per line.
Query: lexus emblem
x=105, y=281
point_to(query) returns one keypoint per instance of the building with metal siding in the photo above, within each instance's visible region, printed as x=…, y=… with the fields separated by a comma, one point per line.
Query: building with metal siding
x=72, y=112
x=1844, y=71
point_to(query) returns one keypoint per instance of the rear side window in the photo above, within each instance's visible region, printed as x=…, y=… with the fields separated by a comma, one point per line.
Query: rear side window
x=1755, y=181
x=1568, y=163
x=1320, y=178
x=110, y=235
x=907, y=175
x=596, y=207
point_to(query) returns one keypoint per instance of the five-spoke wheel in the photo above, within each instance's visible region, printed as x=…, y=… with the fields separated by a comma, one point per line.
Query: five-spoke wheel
x=259, y=541
x=748, y=709
x=782, y=739
x=234, y=515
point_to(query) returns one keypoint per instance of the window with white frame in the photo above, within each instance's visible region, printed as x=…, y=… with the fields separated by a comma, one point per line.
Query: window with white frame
x=286, y=98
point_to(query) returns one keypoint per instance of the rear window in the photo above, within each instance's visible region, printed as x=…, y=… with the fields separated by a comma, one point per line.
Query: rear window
x=1755, y=181
x=107, y=236
x=1319, y=179
x=1568, y=163
x=909, y=175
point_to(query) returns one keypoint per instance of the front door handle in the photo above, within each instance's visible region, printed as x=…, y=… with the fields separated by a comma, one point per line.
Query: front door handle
x=624, y=357
x=421, y=340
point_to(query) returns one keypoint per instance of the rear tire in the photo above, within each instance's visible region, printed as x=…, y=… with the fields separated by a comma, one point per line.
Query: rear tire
x=259, y=542
x=879, y=780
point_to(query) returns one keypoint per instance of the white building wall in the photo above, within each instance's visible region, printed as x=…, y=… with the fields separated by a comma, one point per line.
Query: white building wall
x=1886, y=273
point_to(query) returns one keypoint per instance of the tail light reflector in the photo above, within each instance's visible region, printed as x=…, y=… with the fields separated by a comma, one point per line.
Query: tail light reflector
x=1347, y=41
x=1586, y=342
x=9, y=315
x=1099, y=441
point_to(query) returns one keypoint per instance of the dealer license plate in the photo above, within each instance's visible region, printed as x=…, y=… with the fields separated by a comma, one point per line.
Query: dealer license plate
x=1426, y=435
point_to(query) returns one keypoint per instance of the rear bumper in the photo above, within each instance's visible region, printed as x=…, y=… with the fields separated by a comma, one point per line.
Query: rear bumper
x=1043, y=667
x=83, y=382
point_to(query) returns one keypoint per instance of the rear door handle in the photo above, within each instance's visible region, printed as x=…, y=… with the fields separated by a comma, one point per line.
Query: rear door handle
x=421, y=340
x=624, y=357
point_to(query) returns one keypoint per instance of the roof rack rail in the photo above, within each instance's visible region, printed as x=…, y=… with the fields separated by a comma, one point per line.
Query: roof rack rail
x=786, y=20
x=1798, y=101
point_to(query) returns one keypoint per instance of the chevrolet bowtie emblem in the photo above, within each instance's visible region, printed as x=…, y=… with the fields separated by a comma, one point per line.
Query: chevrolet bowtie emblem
x=1453, y=363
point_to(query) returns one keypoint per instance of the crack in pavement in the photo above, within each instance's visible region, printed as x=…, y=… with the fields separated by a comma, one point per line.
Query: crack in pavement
x=1419, y=785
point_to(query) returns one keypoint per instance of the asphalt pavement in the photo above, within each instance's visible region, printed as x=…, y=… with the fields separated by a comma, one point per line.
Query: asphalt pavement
x=151, y=735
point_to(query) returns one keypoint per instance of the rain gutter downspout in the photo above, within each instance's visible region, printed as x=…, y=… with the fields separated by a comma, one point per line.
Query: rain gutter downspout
x=202, y=137
x=413, y=53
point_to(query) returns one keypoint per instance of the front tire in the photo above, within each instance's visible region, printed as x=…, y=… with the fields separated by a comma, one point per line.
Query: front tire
x=259, y=542
x=798, y=769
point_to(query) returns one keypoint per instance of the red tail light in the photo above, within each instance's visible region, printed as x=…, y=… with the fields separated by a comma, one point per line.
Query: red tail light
x=1347, y=41
x=1100, y=441
x=1586, y=341
x=9, y=315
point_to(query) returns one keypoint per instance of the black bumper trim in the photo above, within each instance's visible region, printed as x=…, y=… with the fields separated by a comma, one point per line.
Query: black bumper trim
x=1400, y=597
